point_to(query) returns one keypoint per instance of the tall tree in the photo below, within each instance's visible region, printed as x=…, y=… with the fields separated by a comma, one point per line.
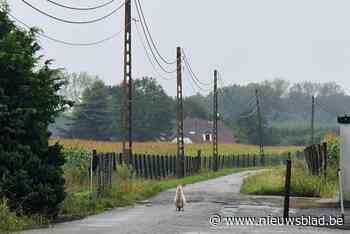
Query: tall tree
x=196, y=107
x=154, y=111
x=75, y=84
x=92, y=118
x=31, y=177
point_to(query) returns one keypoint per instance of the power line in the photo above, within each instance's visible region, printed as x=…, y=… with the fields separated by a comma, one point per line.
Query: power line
x=149, y=56
x=194, y=81
x=81, y=8
x=74, y=22
x=249, y=115
x=143, y=18
x=149, y=44
x=187, y=63
x=67, y=42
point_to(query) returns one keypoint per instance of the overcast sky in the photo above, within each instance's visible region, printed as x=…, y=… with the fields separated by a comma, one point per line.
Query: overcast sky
x=247, y=40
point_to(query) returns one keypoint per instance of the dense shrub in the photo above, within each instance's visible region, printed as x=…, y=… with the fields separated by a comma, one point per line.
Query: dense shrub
x=31, y=177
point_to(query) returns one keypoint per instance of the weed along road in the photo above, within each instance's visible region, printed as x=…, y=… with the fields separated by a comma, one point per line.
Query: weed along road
x=158, y=216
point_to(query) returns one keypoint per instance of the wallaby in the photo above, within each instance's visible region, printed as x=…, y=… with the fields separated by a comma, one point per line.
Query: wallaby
x=179, y=200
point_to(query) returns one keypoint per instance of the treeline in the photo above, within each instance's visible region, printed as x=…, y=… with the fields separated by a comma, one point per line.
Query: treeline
x=286, y=110
x=98, y=115
x=285, y=107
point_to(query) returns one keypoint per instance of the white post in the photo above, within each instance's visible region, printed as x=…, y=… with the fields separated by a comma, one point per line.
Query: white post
x=91, y=171
x=344, y=162
x=341, y=199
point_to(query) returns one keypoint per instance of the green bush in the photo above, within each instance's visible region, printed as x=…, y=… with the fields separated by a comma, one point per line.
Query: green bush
x=333, y=152
x=10, y=222
x=31, y=177
x=124, y=172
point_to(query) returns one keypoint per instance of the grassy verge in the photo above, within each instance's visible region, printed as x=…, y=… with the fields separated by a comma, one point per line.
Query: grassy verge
x=128, y=192
x=302, y=183
x=125, y=192
x=10, y=222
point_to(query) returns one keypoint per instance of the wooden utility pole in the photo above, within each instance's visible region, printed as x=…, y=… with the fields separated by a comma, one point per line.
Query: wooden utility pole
x=262, y=155
x=180, y=172
x=127, y=85
x=313, y=121
x=215, y=122
x=287, y=188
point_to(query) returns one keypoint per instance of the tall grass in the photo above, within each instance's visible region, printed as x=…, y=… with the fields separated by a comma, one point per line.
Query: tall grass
x=272, y=182
x=10, y=222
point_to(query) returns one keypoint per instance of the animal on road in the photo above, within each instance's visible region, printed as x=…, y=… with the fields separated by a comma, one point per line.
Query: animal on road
x=180, y=199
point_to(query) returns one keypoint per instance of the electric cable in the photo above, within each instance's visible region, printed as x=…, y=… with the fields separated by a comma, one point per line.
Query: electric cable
x=81, y=8
x=70, y=21
x=187, y=62
x=67, y=42
x=143, y=18
x=150, y=46
x=149, y=56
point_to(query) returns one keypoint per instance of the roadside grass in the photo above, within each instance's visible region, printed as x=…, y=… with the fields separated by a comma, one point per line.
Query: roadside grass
x=126, y=192
x=170, y=149
x=10, y=222
x=303, y=184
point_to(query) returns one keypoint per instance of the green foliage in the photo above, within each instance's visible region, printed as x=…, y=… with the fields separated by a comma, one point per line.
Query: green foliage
x=30, y=172
x=286, y=110
x=195, y=107
x=99, y=115
x=303, y=184
x=333, y=152
x=76, y=168
x=91, y=119
x=153, y=112
x=125, y=173
x=10, y=222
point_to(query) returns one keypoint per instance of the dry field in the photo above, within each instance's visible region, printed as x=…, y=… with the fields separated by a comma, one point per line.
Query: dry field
x=170, y=149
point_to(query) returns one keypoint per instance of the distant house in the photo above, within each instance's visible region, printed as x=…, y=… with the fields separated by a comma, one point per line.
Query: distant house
x=198, y=131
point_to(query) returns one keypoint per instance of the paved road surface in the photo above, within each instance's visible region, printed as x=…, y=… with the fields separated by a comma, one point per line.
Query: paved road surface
x=218, y=196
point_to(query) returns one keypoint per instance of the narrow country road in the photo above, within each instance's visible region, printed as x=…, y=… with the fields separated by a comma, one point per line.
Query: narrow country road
x=158, y=215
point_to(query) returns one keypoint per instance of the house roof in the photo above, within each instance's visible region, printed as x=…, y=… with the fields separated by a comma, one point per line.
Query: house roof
x=196, y=128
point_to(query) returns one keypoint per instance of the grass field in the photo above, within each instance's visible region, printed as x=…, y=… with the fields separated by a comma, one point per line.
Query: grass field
x=170, y=149
x=303, y=184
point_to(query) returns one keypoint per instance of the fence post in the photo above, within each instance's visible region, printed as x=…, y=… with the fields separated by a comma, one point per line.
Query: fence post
x=287, y=188
x=325, y=158
x=145, y=167
x=158, y=167
x=152, y=166
x=114, y=162
x=98, y=172
x=171, y=167
x=173, y=158
x=191, y=165
x=166, y=166
x=93, y=158
x=205, y=163
x=110, y=169
x=162, y=163
x=199, y=161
